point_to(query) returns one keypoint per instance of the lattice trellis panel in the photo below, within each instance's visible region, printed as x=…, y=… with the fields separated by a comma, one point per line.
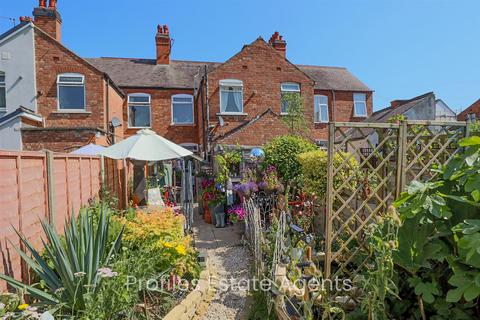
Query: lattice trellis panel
x=387, y=156
x=362, y=181
x=427, y=145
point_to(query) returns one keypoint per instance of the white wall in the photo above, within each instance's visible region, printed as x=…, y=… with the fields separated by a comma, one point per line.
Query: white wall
x=17, y=60
x=10, y=135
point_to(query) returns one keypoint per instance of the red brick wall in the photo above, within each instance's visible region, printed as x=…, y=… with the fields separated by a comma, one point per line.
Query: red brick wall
x=258, y=133
x=342, y=111
x=262, y=70
x=474, y=108
x=56, y=140
x=161, y=116
x=52, y=59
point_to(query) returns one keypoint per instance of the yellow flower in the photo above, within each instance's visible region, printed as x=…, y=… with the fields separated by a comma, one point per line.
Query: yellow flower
x=23, y=306
x=167, y=244
x=181, y=249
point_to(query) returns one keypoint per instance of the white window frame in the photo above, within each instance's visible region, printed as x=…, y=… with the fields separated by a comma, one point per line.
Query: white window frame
x=4, y=86
x=284, y=90
x=129, y=103
x=191, y=103
x=362, y=101
x=235, y=83
x=69, y=84
x=320, y=105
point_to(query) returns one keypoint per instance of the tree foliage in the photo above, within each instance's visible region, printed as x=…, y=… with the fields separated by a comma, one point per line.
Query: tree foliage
x=282, y=153
x=295, y=116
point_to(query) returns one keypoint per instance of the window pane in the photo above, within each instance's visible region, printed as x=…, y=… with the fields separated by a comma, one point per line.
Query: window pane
x=360, y=109
x=3, y=102
x=324, y=113
x=71, y=97
x=231, y=100
x=139, y=99
x=290, y=87
x=2, y=78
x=184, y=99
x=182, y=113
x=139, y=116
x=71, y=79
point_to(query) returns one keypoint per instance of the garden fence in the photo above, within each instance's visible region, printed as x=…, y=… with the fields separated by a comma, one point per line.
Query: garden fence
x=388, y=157
x=46, y=185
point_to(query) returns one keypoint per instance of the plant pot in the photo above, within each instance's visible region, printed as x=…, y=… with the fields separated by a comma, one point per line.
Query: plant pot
x=220, y=219
x=207, y=215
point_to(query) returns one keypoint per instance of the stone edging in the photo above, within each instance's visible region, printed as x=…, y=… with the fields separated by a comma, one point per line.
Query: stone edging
x=197, y=301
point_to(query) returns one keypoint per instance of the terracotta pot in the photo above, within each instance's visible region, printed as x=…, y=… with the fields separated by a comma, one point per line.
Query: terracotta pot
x=207, y=215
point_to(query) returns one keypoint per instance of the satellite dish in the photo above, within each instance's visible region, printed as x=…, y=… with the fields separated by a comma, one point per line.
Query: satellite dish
x=221, y=121
x=115, y=122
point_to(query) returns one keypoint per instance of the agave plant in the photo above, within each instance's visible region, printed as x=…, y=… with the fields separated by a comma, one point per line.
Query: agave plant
x=70, y=267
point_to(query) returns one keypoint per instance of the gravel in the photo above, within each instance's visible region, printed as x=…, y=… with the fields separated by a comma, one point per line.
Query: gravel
x=232, y=264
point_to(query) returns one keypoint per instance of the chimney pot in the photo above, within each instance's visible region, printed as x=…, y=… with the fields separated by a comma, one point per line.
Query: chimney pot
x=278, y=43
x=165, y=29
x=42, y=3
x=159, y=29
x=52, y=4
x=48, y=19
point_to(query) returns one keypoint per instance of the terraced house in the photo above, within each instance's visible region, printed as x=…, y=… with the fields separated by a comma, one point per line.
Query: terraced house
x=193, y=103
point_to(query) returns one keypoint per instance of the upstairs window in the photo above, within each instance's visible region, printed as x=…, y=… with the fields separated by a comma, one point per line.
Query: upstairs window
x=320, y=108
x=139, y=110
x=288, y=89
x=182, y=109
x=71, y=92
x=231, y=96
x=3, y=93
x=359, y=105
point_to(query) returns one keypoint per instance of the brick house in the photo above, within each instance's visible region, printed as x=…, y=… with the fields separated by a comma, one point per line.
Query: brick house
x=470, y=113
x=73, y=101
x=193, y=103
x=200, y=104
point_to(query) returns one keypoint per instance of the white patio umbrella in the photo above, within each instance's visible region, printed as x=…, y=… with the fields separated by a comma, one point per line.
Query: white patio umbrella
x=146, y=145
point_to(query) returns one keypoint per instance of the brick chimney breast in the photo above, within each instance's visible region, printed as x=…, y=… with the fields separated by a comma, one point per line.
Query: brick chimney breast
x=163, y=44
x=48, y=19
x=277, y=42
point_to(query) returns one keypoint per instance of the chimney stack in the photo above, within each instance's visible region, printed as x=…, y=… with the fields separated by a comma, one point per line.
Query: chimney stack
x=48, y=19
x=277, y=42
x=164, y=44
x=396, y=103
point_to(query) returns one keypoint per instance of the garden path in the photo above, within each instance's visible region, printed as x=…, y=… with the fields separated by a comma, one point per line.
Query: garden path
x=230, y=260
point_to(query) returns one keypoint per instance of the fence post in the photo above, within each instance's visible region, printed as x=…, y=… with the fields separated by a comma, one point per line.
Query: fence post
x=401, y=157
x=102, y=173
x=50, y=187
x=329, y=198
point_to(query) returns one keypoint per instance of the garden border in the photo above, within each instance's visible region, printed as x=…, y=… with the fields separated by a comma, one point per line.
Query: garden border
x=197, y=301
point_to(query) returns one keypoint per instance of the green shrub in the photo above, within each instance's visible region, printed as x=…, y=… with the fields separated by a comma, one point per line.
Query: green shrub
x=438, y=250
x=314, y=171
x=72, y=269
x=282, y=153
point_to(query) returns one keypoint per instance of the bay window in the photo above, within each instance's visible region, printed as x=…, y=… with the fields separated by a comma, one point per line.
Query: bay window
x=320, y=109
x=71, y=92
x=139, y=110
x=182, y=109
x=231, y=96
x=288, y=89
x=359, y=105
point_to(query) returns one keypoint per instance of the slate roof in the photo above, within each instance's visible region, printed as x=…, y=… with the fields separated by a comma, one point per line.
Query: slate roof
x=130, y=72
x=405, y=105
x=13, y=30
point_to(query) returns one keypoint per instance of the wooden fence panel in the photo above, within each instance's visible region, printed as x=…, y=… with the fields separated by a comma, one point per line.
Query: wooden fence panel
x=25, y=193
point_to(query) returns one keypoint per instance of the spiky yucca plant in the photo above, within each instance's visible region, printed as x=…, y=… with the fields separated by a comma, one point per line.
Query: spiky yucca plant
x=69, y=268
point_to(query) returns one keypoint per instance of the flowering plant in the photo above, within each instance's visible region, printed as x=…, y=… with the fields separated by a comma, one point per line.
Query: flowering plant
x=245, y=189
x=236, y=213
x=270, y=178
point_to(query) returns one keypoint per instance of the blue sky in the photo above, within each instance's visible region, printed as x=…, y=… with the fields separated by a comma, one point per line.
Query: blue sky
x=400, y=48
